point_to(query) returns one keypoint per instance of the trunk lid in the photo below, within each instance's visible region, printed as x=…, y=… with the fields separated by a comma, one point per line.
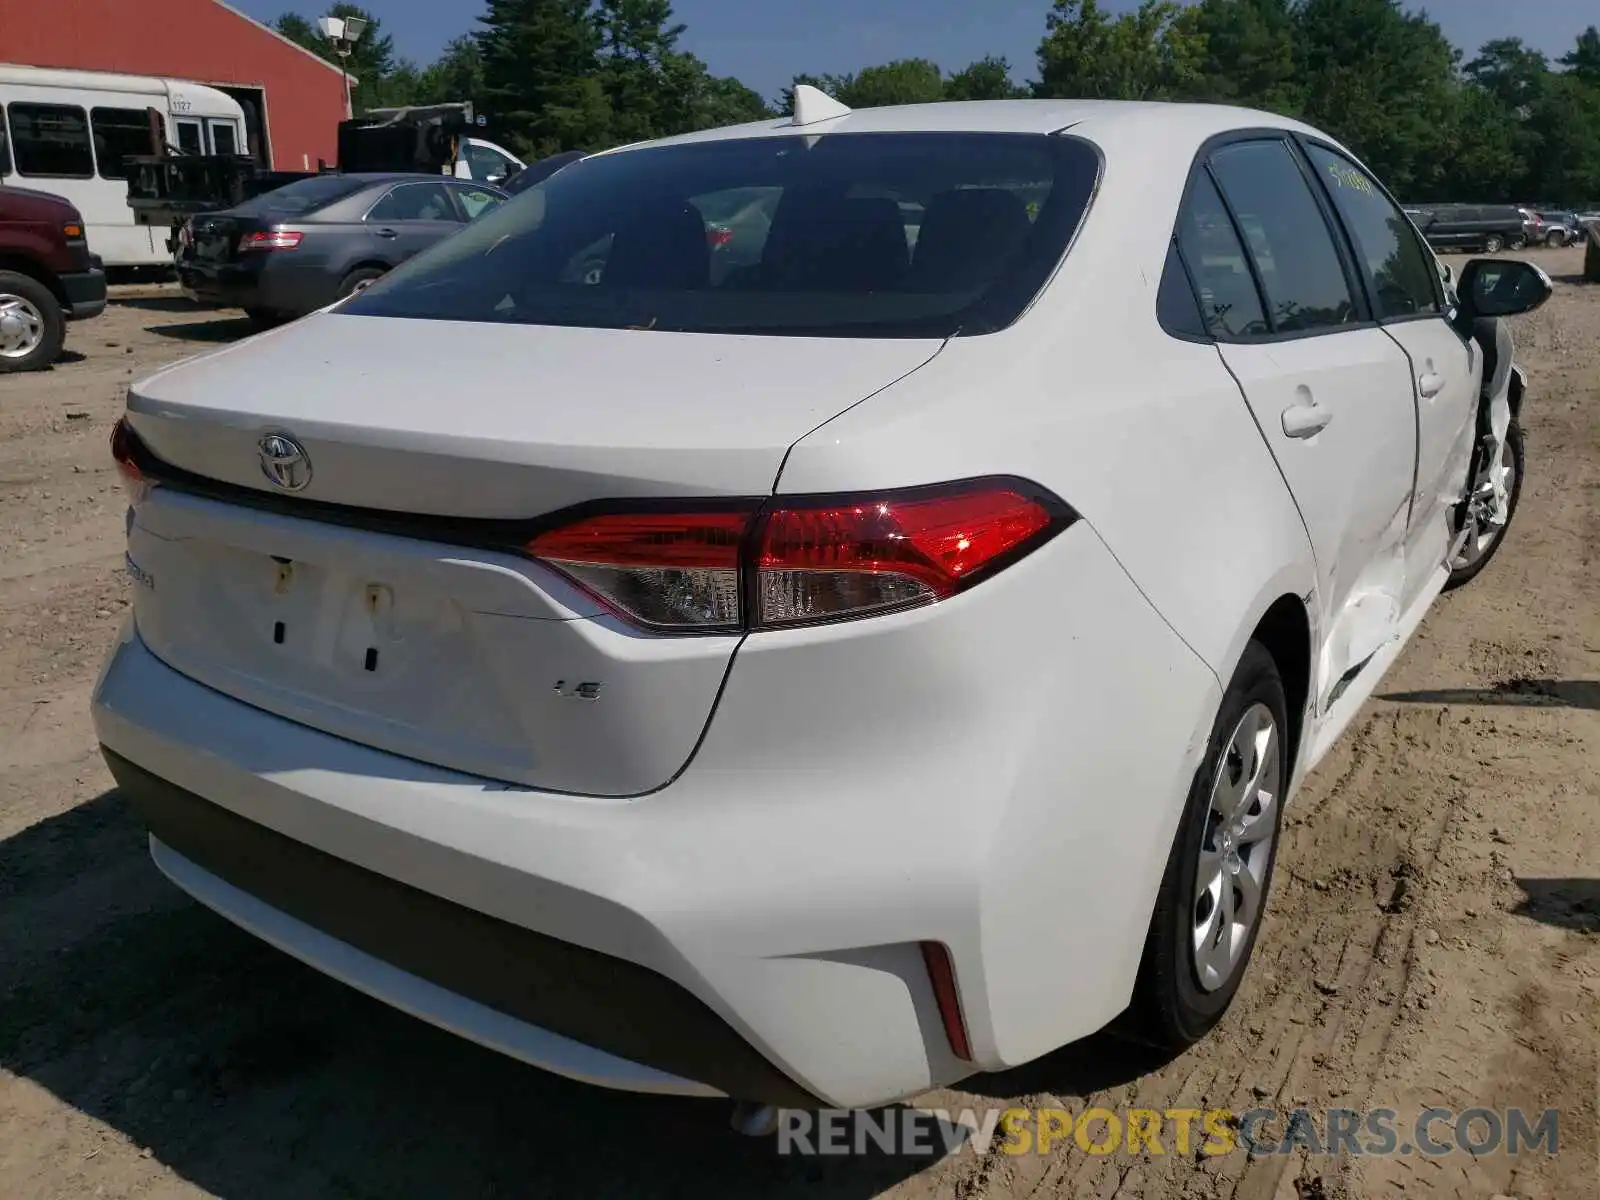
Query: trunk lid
x=477, y=660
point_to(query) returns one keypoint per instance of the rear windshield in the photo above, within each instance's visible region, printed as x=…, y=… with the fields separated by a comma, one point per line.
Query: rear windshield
x=304, y=195
x=904, y=234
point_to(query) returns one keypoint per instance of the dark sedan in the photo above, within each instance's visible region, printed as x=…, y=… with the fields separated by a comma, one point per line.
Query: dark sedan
x=293, y=250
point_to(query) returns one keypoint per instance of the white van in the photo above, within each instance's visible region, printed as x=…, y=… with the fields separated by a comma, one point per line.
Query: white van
x=67, y=132
x=485, y=161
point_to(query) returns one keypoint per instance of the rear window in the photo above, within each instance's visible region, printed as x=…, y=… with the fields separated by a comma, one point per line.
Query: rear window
x=908, y=235
x=304, y=195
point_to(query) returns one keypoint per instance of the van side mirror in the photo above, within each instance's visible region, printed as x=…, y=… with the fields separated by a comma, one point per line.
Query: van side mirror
x=1496, y=287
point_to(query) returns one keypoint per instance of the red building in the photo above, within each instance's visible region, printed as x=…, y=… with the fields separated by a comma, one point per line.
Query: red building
x=293, y=101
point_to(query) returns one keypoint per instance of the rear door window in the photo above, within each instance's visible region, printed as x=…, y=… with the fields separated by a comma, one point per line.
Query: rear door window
x=414, y=202
x=51, y=141
x=118, y=134
x=1287, y=236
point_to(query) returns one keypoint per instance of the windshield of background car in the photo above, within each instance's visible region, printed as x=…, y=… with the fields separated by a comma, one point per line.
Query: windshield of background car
x=304, y=195
x=870, y=235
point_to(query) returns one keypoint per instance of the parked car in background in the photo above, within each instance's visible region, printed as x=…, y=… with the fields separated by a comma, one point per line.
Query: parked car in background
x=293, y=250
x=772, y=671
x=47, y=276
x=1560, y=228
x=1488, y=227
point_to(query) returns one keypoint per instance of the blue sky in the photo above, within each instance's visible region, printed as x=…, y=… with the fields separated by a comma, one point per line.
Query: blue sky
x=765, y=42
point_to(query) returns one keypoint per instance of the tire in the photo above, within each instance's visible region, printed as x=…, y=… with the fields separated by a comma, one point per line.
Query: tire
x=359, y=278
x=1181, y=993
x=1493, y=244
x=32, y=325
x=265, y=318
x=1555, y=239
x=1466, y=567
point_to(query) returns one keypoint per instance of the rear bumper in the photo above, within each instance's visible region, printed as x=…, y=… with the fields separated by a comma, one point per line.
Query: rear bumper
x=259, y=282
x=1000, y=773
x=85, y=292
x=396, y=941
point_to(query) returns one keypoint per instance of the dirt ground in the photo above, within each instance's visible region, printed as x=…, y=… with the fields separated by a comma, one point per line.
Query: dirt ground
x=1433, y=936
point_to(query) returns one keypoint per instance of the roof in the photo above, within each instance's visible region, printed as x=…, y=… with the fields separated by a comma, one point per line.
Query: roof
x=287, y=41
x=1101, y=120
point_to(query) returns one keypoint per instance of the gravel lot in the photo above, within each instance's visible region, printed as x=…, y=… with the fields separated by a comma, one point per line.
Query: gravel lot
x=1433, y=938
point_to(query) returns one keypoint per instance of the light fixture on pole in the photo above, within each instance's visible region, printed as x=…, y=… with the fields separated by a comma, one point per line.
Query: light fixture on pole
x=343, y=32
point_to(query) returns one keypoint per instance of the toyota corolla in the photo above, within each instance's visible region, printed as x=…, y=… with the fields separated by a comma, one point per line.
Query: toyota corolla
x=820, y=672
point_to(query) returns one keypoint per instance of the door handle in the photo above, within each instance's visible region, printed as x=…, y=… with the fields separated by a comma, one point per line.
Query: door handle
x=387, y=233
x=1305, y=420
x=1430, y=385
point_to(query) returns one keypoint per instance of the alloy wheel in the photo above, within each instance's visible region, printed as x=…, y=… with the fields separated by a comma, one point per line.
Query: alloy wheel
x=1236, y=851
x=21, y=326
x=1485, y=523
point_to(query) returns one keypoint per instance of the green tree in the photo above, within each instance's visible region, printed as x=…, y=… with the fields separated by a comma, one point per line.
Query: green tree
x=1583, y=60
x=1248, y=56
x=371, y=62
x=541, y=75
x=1509, y=71
x=650, y=91
x=904, y=81
x=456, y=75
x=1383, y=81
x=1152, y=53
x=986, y=79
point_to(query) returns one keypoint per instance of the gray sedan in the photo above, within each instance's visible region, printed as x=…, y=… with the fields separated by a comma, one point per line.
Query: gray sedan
x=293, y=250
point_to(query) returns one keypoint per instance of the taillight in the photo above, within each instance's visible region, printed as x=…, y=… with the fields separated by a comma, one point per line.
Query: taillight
x=123, y=440
x=803, y=560
x=72, y=231
x=663, y=570
x=269, y=239
x=819, y=562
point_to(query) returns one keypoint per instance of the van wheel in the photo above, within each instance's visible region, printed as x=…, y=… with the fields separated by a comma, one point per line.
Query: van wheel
x=1493, y=244
x=1208, y=911
x=32, y=326
x=1555, y=239
x=358, y=279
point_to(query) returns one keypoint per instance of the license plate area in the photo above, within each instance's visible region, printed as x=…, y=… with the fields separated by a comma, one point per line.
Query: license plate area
x=324, y=619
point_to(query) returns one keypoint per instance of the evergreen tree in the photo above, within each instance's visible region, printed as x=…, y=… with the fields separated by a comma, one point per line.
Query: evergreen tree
x=541, y=75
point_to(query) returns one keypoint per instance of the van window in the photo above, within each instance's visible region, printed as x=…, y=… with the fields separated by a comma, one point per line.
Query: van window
x=223, y=138
x=51, y=141
x=118, y=133
x=189, y=137
x=5, y=144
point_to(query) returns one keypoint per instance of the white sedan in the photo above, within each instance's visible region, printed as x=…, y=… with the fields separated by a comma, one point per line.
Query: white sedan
x=817, y=663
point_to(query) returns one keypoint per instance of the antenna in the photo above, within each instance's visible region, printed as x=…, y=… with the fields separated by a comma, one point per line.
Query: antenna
x=812, y=105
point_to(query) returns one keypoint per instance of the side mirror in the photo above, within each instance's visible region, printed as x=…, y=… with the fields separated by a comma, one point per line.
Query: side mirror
x=1494, y=287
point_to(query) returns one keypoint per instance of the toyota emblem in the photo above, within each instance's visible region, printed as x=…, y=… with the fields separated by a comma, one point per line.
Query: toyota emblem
x=285, y=462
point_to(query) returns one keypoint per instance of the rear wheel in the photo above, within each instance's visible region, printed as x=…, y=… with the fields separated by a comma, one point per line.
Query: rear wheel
x=32, y=325
x=1555, y=239
x=358, y=279
x=1493, y=244
x=1487, y=523
x=1208, y=911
